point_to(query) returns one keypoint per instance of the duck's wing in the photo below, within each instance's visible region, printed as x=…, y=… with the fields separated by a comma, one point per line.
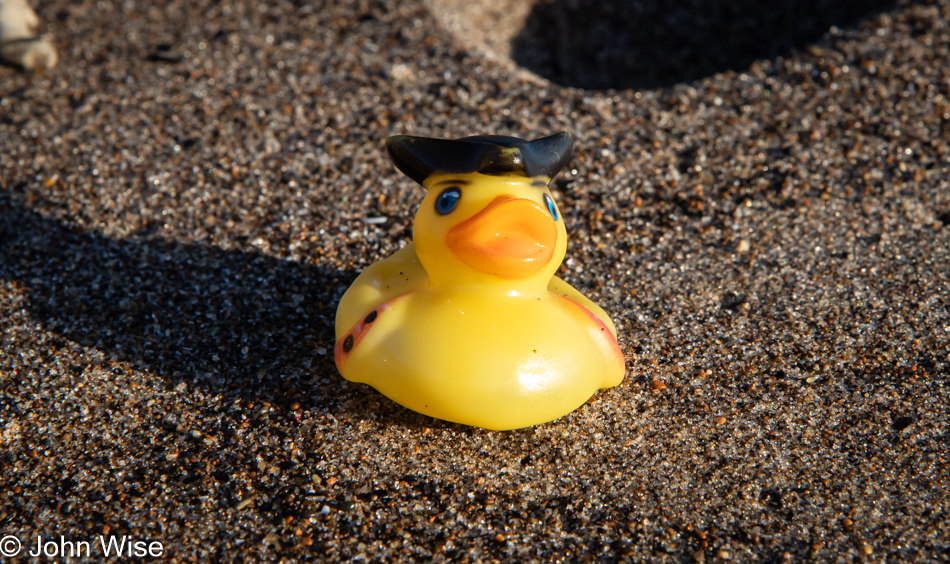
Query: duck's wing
x=562, y=288
x=382, y=282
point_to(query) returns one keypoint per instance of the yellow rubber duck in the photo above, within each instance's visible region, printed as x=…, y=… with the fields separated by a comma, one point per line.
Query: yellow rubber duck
x=468, y=322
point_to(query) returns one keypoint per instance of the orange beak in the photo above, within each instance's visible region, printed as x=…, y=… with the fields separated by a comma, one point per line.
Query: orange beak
x=510, y=238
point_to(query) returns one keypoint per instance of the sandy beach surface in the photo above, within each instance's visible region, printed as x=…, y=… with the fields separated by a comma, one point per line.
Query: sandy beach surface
x=759, y=197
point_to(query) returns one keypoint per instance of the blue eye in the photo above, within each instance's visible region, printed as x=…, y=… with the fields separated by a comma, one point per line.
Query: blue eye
x=552, y=209
x=448, y=200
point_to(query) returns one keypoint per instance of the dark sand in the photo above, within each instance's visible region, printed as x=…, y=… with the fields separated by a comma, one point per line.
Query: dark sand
x=184, y=200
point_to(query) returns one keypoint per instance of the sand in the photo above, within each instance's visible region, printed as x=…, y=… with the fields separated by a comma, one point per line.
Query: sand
x=184, y=199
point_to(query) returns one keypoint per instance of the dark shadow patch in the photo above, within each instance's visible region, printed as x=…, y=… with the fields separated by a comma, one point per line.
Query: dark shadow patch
x=903, y=422
x=229, y=319
x=732, y=300
x=649, y=44
x=165, y=53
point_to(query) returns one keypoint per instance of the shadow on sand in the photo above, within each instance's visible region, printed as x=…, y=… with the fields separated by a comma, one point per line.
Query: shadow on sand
x=645, y=44
x=231, y=320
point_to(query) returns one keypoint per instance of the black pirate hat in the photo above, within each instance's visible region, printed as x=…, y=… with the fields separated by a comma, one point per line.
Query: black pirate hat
x=497, y=155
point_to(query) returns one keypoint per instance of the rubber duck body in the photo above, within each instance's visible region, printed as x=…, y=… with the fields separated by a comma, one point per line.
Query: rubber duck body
x=468, y=323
